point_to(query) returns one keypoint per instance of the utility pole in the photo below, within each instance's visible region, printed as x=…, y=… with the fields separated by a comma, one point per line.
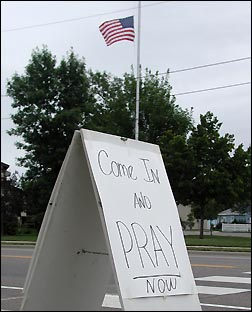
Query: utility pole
x=138, y=73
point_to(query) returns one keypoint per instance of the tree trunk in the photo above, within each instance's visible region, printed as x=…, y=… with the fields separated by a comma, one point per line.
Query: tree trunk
x=201, y=228
x=2, y=223
x=201, y=236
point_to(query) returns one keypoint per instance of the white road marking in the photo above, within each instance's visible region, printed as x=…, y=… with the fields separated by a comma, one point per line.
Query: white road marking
x=219, y=290
x=11, y=298
x=111, y=301
x=10, y=287
x=225, y=306
x=229, y=279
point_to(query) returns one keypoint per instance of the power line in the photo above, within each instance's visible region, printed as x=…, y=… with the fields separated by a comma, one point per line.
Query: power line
x=79, y=18
x=203, y=66
x=196, y=91
x=189, y=68
x=210, y=89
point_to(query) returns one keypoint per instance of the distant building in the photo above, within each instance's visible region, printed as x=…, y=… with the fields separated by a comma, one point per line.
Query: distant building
x=226, y=216
x=4, y=175
x=4, y=172
x=229, y=216
x=184, y=211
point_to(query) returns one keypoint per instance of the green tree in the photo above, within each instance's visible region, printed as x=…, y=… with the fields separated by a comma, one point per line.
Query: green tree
x=178, y=160
x=116, y=101
x=216, y=172
x=12, y=203
x=51, y=102
x=113, y=106
x=240, y=170
x=158, y=111
x=190, y=220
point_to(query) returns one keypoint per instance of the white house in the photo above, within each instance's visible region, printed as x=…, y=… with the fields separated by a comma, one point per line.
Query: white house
x=229, y=216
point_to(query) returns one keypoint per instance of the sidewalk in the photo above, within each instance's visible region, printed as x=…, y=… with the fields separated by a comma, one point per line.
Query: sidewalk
x=199, y=248
x=215, y=248
x=21, y=243
x=218, y=233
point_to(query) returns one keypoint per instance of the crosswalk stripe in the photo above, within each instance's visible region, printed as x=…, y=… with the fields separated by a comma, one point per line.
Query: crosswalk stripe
x=225, y=306
x=228, y=279
x=213, y=265
x=11, y=298
x=111, y=301
x=11, y=287
x=210, y=290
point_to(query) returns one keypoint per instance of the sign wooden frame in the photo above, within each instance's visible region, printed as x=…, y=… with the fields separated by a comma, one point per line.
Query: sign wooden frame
x=75, y=253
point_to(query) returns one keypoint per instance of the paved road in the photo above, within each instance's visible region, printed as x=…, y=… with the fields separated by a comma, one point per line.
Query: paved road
x=222, y=278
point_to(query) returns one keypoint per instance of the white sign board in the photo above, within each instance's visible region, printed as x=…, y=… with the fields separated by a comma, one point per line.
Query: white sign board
x=112, y=207
x=141, y=217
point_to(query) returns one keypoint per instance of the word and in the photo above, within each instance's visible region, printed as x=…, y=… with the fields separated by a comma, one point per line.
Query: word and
x=142, y=201
x=114, y=168
x=150, y=246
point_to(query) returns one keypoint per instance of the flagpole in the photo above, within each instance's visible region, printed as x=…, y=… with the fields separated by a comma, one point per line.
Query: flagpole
x=138, y=73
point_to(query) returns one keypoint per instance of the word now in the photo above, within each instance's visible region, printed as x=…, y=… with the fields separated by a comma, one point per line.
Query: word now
x=161, y=285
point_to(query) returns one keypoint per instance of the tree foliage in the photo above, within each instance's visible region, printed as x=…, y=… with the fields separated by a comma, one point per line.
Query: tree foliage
x=240, y=171
x=178, y=160
x=53, y=100
x=12, y=203
x=220, y=180
x=115, y=106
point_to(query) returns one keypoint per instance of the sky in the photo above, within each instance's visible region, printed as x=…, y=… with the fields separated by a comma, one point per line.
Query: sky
x=174, y=35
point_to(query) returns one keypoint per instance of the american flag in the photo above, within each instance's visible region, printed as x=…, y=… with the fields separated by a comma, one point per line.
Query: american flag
x=117, y=30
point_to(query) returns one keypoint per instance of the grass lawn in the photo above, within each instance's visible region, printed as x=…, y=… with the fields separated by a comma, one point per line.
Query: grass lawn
x=218, y=241
x=191, y=240
x=23, y=237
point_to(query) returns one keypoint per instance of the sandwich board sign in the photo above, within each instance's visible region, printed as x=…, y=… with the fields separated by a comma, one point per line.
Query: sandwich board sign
x=111, y=211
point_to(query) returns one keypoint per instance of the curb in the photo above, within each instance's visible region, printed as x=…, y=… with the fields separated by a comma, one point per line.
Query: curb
x=215, y=248
x=18, y=243
x=199, y=248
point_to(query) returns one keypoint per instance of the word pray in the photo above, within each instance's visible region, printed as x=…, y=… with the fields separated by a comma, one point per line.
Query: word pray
x=142, y=247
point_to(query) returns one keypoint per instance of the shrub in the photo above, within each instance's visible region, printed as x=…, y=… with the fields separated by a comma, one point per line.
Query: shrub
x=10, y=225
x=218, y=226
